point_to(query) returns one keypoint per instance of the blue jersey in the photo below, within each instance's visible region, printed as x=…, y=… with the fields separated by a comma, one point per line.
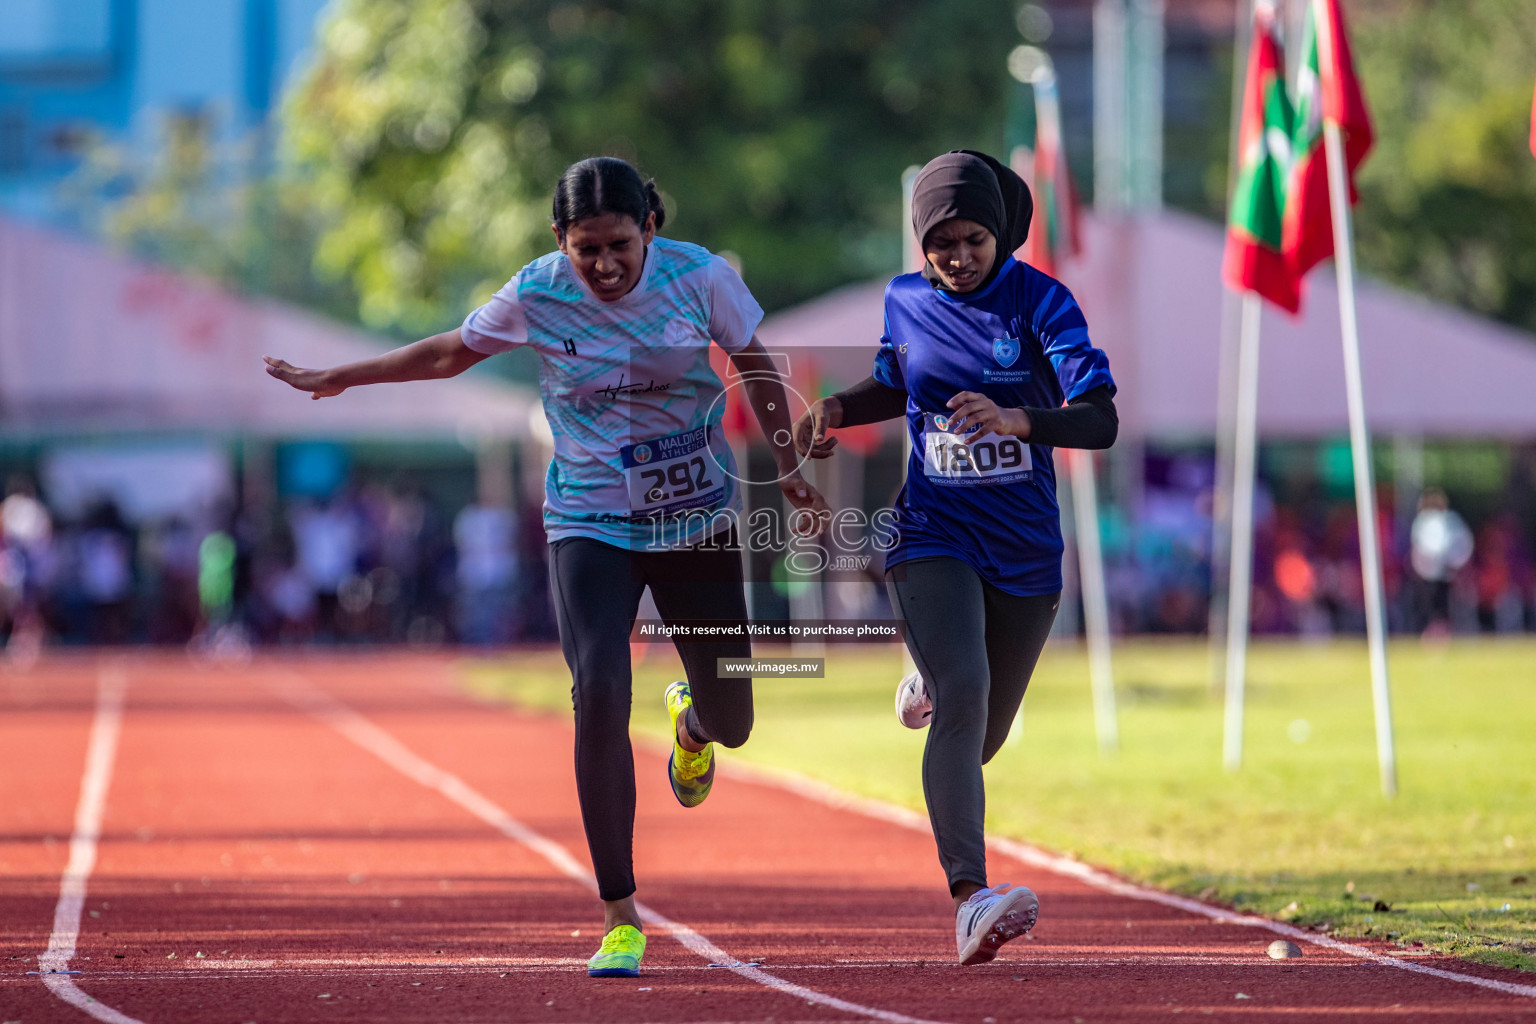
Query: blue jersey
x=991, y=502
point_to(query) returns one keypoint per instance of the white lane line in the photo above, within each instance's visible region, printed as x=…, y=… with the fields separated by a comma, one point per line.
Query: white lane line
x=395, y=754
x=530, y=965
x=100, y=752
x=822, y=793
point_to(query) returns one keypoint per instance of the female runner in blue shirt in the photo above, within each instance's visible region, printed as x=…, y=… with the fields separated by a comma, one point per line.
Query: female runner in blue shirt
x=979, y=353
x=642, y=491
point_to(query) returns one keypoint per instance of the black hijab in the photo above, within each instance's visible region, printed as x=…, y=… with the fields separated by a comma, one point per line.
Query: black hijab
x=971, y=185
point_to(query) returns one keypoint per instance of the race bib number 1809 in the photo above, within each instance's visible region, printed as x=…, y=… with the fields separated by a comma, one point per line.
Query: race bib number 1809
x=987, y=459
x=673, y=473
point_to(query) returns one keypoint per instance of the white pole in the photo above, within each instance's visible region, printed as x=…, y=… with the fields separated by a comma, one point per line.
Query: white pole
x=1067, y=621
x=1146, y=43
x=1226, y=378
x=1240, y=589
x=1111, y=47
x=1080, y=476
x=1085, y=505
x=911, y=256
x=1360, y=448
x=1221, y=483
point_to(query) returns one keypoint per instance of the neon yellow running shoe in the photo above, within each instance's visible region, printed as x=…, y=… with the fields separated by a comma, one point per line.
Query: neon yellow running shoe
x=691, y=773
x=619, y=955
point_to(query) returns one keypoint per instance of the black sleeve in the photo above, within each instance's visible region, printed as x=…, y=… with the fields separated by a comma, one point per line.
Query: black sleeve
x=1087, y=421
x=870, y=401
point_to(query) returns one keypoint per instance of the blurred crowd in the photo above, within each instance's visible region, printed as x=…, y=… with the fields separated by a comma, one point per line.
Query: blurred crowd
x=1440, y=574
x=370, y=565
x=377, y=564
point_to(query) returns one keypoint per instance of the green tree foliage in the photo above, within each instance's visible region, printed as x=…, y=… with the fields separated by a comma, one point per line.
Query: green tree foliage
x=1448, y=197
x=431, y=132
x=206, y=207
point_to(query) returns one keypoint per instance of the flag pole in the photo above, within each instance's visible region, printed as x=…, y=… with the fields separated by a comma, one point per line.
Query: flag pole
x=1085, y=506
x=1360, y=449
x=1085, y=498
x=1034, y=67
x=1226, y=380
x=1241, y=566
x=1080, y=469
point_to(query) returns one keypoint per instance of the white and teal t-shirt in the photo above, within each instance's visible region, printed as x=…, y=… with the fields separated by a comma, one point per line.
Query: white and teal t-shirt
x=628, y=391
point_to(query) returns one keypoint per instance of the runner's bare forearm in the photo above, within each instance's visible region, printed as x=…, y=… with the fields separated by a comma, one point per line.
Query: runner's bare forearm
x=442, y=355
x=765, y=391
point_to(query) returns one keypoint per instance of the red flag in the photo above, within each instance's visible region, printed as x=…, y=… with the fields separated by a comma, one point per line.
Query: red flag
x=1254, y=260
x=1327, y=89
x=1053, y=233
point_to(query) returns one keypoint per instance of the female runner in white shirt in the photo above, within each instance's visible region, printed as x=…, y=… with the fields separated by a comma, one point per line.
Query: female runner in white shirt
x=642, y=491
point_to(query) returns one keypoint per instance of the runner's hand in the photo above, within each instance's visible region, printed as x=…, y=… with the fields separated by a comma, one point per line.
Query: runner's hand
x=811, y=428
x=811, y=512
x=312, y=381
x=976, y=414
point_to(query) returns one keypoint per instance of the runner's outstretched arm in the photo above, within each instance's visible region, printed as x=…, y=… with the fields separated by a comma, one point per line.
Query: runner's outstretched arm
x=442, y=355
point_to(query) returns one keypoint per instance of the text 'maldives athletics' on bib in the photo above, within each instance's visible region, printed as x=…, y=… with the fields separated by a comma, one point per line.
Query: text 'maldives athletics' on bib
x=990, y=501
x=627, y=388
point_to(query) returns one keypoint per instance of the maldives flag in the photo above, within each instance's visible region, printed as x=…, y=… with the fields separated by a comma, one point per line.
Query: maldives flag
x=1254, y=260
x=1326, y=89
x=1053, y=232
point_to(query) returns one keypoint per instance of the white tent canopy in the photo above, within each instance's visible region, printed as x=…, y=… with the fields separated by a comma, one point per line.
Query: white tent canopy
x=90, y=341
x=1151, y=288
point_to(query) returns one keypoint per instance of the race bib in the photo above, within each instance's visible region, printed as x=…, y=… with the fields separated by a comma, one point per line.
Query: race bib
x=987, y=459
x=673, y=473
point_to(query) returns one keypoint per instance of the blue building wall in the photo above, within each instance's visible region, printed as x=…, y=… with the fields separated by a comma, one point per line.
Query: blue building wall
x=71, y=69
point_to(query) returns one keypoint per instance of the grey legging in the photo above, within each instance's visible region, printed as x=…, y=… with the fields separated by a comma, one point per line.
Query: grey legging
x=976, y=647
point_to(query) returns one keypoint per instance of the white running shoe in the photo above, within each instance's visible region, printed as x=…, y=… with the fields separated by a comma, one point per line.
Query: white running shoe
x=992, y=917
x=913, y=707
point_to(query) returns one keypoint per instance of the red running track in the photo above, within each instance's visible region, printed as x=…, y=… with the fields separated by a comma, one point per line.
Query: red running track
x=355, y=840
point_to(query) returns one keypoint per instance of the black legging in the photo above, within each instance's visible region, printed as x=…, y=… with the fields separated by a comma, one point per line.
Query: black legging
x=597, y=590
x=976, y=647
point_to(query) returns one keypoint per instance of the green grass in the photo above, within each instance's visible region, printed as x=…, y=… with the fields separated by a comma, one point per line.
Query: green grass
x=1301, y=833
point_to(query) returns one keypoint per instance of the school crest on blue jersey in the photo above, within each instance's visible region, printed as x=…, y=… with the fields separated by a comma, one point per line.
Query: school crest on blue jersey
x=1005, y=351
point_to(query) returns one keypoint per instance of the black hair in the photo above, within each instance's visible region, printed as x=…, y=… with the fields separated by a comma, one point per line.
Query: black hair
x=605, y=184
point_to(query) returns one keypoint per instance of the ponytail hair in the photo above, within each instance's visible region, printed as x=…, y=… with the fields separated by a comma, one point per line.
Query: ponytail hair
x=605, y=184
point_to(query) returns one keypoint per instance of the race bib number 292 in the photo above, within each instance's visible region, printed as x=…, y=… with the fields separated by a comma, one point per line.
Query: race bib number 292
x=986, y=459
x=673, y=473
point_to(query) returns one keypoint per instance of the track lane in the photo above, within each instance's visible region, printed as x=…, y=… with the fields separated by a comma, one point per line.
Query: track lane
x=245, y=833
x=800, y=883
x=319, y=886
x=45, y=721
